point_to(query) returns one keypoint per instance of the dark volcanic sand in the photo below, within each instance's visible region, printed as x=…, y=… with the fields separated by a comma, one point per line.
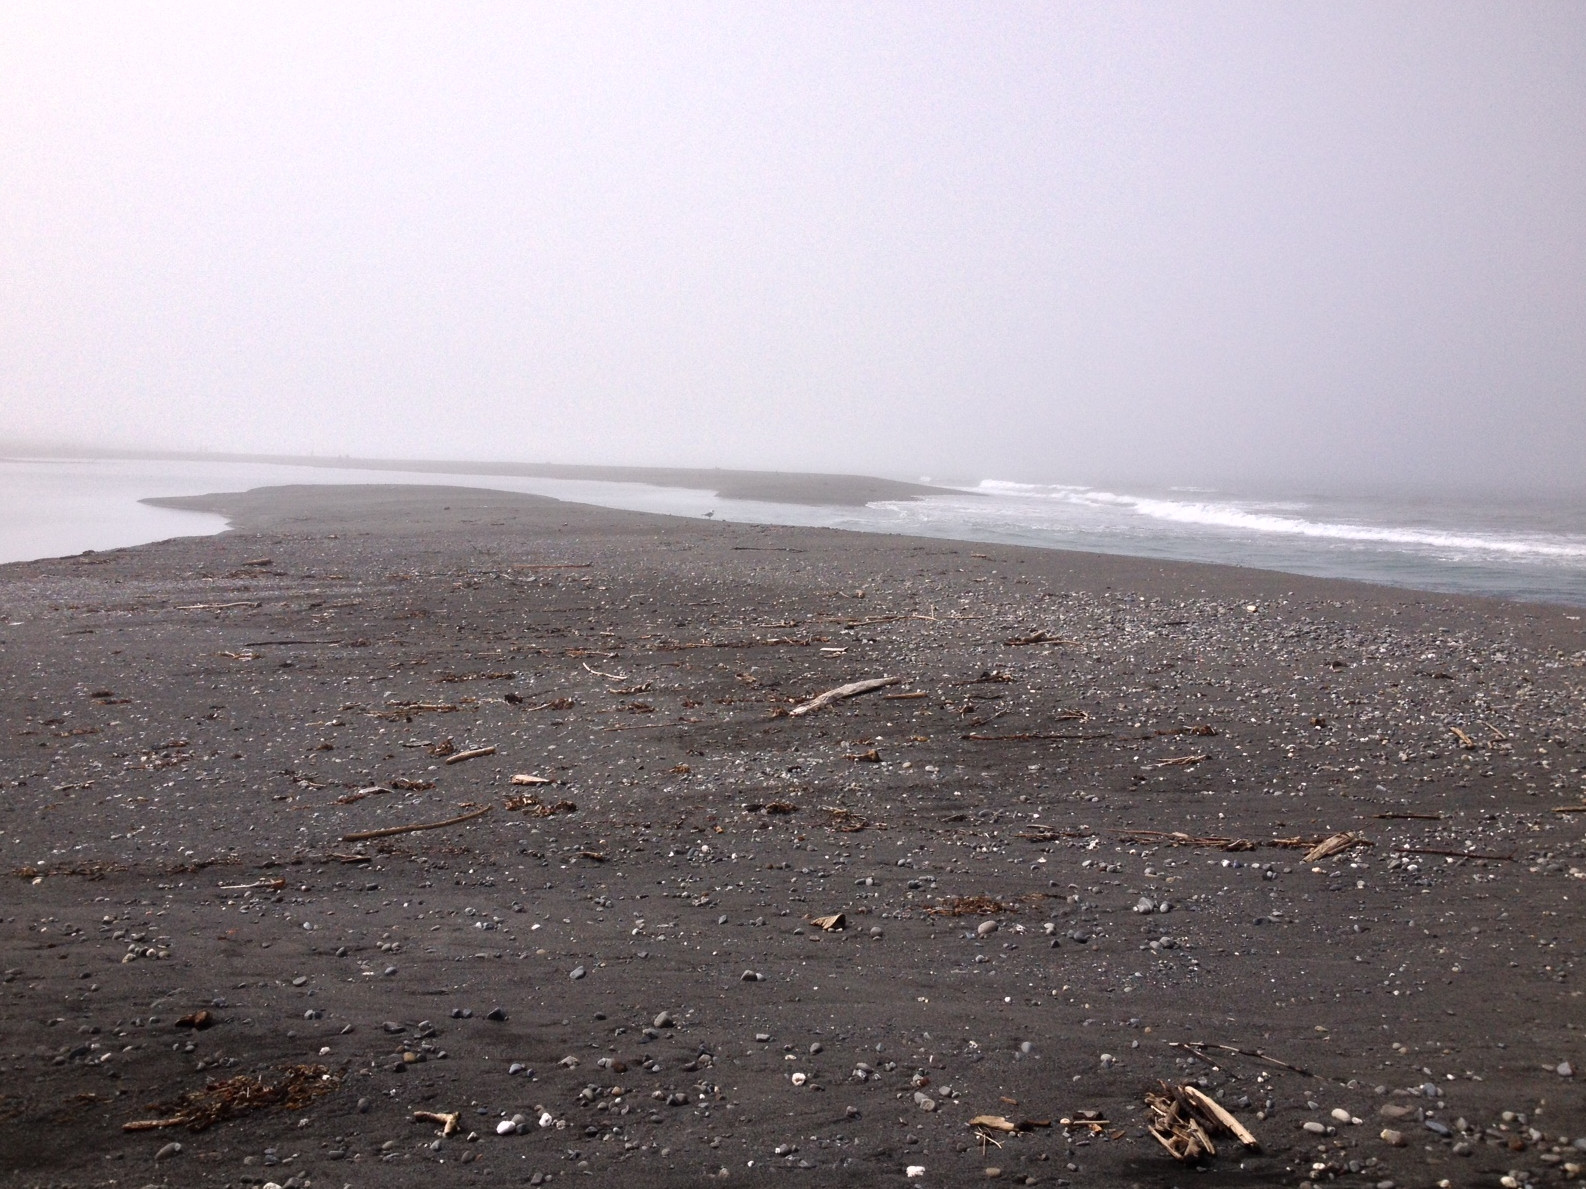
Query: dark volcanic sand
x=186, y=715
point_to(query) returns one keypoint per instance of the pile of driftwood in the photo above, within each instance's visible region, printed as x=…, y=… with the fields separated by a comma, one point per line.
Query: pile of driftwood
x=1185, y=1118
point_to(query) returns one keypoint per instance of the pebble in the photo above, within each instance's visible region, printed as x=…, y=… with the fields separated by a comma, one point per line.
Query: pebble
x=752, y=976
x=800, y=1078
x=300, y=981
x=1315, y=1128
x=1438, y=1127
x=1392, y=1137
x=924, y=1101
x=497, y=1014
x=914, y=1171
x=1565, y=1070
x=1340, y=1115
x=506, y=1127
x=1144, y=905
x=169, y=1150
x=985, y=928
x=577, y=973
x=665, y=1020
x=390, y=970
x=516, y=1067
x=877, y=932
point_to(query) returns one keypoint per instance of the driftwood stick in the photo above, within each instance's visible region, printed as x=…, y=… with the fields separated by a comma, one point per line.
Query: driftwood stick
x=852, y=690
x=471, y=754
x=447, y=1119
x=364, y=835
x=153, y=1124
x=1214, y=1108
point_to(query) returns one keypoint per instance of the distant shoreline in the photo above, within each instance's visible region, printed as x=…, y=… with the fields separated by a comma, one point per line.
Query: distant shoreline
x=781, y=487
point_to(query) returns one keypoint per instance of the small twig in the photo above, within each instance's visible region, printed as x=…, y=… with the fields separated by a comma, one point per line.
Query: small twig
x=1452, y=854
x=1256, y=1054
x=472, y=754
x=603, y=673
x=390, y=830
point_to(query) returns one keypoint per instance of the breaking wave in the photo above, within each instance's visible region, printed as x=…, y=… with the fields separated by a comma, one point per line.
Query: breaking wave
x=1278, y=518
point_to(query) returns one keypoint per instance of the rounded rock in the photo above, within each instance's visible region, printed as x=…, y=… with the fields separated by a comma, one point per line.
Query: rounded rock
x=985, y=928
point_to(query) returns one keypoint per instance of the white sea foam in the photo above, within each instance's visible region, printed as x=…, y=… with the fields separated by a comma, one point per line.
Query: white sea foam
x=1262, y=519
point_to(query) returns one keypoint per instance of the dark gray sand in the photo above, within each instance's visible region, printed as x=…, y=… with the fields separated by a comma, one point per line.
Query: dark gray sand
x=193, y=728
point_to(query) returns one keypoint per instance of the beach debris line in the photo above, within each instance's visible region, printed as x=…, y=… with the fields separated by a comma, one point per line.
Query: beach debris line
x=1040, y=637
x=298, y=1086
x=532, y=805
x=1184, y=1119
x=980, y=906
x=852, y=690
x=1315, y=848
x=472, y=753
x=846, y=821
x=1032, y=737
x=364, y=835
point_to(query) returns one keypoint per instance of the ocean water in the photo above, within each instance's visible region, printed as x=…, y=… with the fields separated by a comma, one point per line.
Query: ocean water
x=1532, y=549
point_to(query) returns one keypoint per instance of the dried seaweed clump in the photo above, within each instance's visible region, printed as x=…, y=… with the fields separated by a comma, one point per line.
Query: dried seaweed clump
x=293, y=1090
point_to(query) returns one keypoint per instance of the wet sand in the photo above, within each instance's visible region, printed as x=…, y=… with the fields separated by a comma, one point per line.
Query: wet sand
x=196, y=727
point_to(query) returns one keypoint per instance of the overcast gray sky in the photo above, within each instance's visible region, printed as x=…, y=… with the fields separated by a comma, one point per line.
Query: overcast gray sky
x=1326, y=243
